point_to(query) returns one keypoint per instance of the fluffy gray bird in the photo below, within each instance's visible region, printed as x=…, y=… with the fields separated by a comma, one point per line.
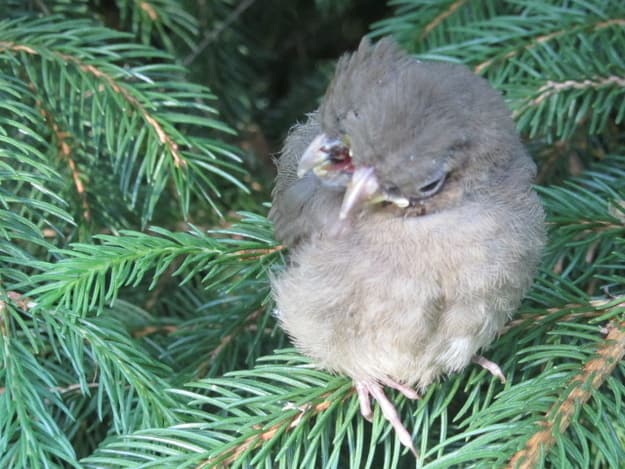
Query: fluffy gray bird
x=406, y=202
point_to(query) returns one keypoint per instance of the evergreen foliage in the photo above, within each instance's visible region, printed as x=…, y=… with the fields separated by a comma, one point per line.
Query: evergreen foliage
x=136, y=325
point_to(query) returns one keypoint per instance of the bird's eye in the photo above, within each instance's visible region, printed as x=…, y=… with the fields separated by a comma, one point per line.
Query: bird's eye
x=433, y=187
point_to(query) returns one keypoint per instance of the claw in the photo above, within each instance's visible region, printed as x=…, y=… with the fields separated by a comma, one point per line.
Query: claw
x=365, y=389
x=492, y=367
x=365, y=402
x=407, y=391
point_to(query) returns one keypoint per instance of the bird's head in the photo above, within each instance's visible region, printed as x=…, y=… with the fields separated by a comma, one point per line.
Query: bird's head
x=411, y=136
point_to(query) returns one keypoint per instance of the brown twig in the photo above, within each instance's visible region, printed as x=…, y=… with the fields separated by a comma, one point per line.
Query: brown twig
x=149, y=330
x=3, y=325
x=440, y=18
x=597, y=304
x=559, y=417
x=163, y=281
x=23, y=302
x=65, y=150
x=253, y=254
x=227, y=339
x=210, y=36
x=553, y=87
x=149, y=10
x=479, y=68
x=267, y=434
x=539, y=317
x=20, y=301
x=163, y=137
x=43, y=7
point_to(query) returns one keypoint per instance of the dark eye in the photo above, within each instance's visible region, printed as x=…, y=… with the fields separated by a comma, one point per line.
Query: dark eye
x=433, y=187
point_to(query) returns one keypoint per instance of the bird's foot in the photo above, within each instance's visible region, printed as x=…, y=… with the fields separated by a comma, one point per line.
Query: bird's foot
x=368, y=389
x=491, y=367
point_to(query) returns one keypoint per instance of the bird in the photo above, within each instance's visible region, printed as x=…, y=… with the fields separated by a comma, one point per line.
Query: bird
x=413, y=230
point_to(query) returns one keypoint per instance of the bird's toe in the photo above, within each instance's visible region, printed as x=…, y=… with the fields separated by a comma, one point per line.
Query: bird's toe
x=364, y=400
x=367, y=389
x=491, y=367
x=406, y=390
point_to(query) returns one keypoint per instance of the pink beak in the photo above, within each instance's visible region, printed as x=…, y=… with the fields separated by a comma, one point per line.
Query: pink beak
x=362, y=187
x=361, y=183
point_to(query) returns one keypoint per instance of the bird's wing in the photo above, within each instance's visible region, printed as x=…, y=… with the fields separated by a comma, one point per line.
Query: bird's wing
x=300, y=206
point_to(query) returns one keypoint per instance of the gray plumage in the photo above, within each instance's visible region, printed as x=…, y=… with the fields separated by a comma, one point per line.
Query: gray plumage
x=425, y=273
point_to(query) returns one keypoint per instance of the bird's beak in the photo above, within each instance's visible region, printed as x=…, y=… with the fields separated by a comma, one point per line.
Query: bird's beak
x=330, y=160
x=365, y=188
x=319, y=155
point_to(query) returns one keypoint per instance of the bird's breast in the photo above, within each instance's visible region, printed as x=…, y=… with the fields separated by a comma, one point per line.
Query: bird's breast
x=409, y=298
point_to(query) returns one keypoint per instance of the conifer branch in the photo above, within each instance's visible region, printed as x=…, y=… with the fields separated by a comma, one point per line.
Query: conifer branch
x=213, y=34
x=154, y=349
x=609, y=353
x=543, y=38
x=263, y=435
x=597, y=304
x=149, y=10
x=64, y=149
x=451, y=9
x=148, y=119
x=42, y=6
x=67, y=389
x=553, y=87
x=226, y=340
x=161, y=20
x=115, y=86
x=145, y=331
